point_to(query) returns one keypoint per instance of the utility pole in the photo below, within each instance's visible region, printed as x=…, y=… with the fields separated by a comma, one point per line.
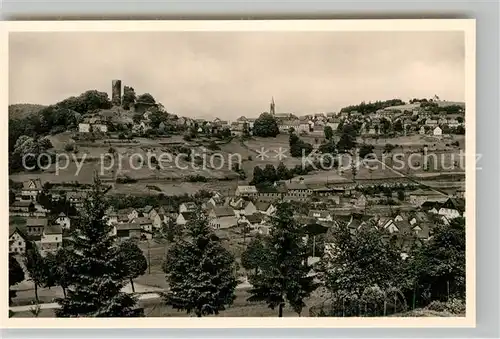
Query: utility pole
x=149, y=258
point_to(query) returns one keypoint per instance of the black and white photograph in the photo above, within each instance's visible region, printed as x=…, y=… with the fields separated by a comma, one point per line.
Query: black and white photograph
x=243, y=173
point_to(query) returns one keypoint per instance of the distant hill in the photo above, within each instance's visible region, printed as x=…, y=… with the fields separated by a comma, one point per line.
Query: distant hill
x=20, y=111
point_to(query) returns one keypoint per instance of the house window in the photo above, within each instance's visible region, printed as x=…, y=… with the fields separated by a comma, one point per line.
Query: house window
x=19, y=243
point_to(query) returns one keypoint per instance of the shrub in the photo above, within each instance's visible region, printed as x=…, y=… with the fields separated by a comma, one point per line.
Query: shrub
x=70, y=147
x=197, y=178
x=454, y=306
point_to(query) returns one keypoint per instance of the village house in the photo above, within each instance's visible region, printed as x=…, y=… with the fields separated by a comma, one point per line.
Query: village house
x=305, y=126
x=17, y=241
x=169, y=211
x=272, y=193
x=419, y=196
x=21, y=208
x=84, y=127
x=76, y=198
x=422, y=130
x=149, y=212
x=359, y=200
x=265, y=208
x=184, y=217
x=159, y=220
x=35, y=226
x=452, y=208
x=127, y=231
x=246, y=191
x=222, y=217
x=145, y=223
x=431, y=122
x=286, y=126
x=187, y=207
x=320, y=215
x=100, y=127
x=51, y=239
x=31, y=189
x=431, y=206
x=437, y=131
x=63, y=220
x=130, y=212
x=253, y=220
x=297, y=191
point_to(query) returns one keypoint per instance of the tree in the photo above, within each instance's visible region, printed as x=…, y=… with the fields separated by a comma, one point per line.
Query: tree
x=134, y=259
x=63, y=261
x=328, y=132
x=258, y=176
x=265, y=126
x=35, y=266
x=298, y=147
x=97, y=272
x=398, y=126
x=359, y=262
x=439, y=265
x=285, y=279
x=137, y=118
x=255, y=257
x=16, y=274
x=128, y=97
x=282, y=172
x=365, y=150
x=146, y=98
x=386, y=125
x=51, y=270
x=200, y=271
x=269, y=173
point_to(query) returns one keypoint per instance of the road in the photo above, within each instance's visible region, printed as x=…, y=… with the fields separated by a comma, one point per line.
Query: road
x=144, y=296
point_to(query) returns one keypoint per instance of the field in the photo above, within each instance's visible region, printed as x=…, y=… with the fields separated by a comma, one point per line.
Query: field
x=216, y=166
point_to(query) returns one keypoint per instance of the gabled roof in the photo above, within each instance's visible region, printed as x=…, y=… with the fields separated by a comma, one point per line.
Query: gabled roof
x=224, y=211
x=295, y=185
x=322, y=213
x=33, y=184
x=254, y=218
x=127, y=226
x=454, y=203
x=52, y=229
x=36, y=222
x=62, y=215
x=142, y=221
x=247, y=189
x=188, y=215
x=262, y=206
x=18, y=230
x=122, y=217
x=189, y=205
x=147, y=209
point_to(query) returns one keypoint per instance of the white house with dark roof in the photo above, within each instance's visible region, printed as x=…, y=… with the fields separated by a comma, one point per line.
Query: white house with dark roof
x=222, y=217
x=266, y=208
x=187, y=207
x=63, y=220
x=145, y=223
x=17, y=241
x=51, y=239
x=31, y=189
x=184, y=217
x=246, y=191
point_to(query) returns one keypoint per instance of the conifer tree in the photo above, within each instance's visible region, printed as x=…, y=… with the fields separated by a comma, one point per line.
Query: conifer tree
x=16, y=274
x=200, y=272
x=96, y=272
x=285, y=278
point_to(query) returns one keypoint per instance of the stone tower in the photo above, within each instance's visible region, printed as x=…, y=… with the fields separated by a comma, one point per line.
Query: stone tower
x=272, y=108
x=116, y=92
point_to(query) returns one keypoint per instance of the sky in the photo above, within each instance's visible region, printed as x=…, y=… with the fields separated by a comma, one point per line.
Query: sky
x=229, y=74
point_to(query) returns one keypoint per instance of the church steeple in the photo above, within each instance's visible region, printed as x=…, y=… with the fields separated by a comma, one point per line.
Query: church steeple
x=272, y=107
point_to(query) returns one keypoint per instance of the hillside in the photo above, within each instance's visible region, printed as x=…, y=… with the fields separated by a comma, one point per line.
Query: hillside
x=20, y=111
